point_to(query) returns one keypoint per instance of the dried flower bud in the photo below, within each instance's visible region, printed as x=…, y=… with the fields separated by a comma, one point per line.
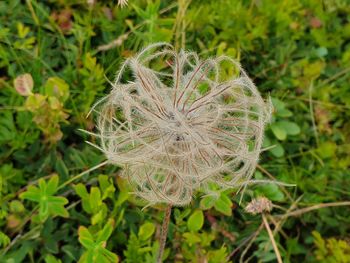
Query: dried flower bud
x=181, y=126
x=259, y=205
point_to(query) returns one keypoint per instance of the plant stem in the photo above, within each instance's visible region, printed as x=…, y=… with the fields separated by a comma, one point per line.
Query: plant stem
x=275, y=248
x=164, y=233
x=314, y=207
x=72, y=179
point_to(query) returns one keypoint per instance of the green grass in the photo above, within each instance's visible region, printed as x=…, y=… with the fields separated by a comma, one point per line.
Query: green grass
x=53, y=208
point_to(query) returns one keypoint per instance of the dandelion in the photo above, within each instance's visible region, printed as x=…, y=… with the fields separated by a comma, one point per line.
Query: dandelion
x=177, y=124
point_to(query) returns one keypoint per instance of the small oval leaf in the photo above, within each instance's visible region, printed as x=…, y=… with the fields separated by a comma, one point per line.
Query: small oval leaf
x=195, y=221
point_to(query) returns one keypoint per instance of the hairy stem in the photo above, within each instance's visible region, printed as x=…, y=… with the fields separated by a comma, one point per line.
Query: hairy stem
x=164, y=233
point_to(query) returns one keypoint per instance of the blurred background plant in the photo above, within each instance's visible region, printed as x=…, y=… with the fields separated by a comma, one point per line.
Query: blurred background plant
x=57, y=204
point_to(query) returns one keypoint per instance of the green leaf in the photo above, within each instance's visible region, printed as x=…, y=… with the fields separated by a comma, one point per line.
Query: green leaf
x=107, y=188
x=110, y=256
x=96, y=251
x=271, y=191
x=97, y=217
x=122, y=197
x=195, y=221
x=56, y=87
x=16, y=207
x=146, y=231
x=106, y=231
x=43, y=208
x=192, y=238
x=224, y=205
x=207, y=202
x=42, y=186
x=278, y=131
x=291, y=128
x=80, y=189
x=327, y=149
x=57, y=206
x=284, y=113
x=321, y=52
x=4, y=240
x=32, y=194
x=95, y=198
x=278, y=104
x=85, y=238
x=277, y=150
x=52, y=185
x=48, y=204
x=51, y=259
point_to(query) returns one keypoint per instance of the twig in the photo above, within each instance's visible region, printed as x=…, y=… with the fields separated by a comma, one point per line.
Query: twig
x=253, y=237
x=312, y=112
x=164, y=233
x=315, y=207
x=245, y=241
x=115, y=43
x=262, y=169
x=82, y=174
x=336, y=76
x=267, y=226
x=280, y=223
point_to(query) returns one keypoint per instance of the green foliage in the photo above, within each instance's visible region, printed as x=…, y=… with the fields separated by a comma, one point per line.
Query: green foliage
x=93, y=202
x=57, y=59
x=195, y=221
x=139, y=247
x=49, y=205
x=95, y=245
x=222, y=203
x=331, y=250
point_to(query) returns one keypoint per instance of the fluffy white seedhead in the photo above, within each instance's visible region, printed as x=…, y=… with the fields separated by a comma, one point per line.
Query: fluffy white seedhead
x=122, y=3
x=177, y=124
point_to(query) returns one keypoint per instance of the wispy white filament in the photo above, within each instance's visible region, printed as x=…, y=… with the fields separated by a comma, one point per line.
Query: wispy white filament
x=177, y=123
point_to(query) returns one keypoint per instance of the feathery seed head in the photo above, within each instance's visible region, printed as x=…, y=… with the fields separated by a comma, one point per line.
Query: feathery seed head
x=177, y=124
x=259, y=205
